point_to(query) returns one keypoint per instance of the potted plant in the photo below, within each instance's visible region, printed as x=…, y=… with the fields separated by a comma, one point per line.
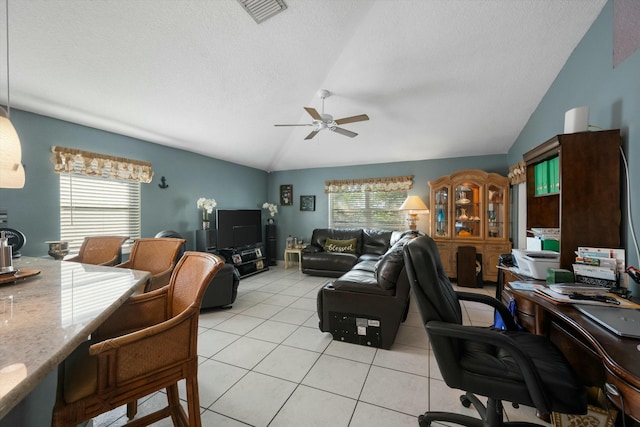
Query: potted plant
x=273, y=210
x=206, y=205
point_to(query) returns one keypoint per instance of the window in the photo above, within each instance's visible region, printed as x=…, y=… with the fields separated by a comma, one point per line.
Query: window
x=92, y=206
x=99, y=194
x=367, y=209
x=368, y=202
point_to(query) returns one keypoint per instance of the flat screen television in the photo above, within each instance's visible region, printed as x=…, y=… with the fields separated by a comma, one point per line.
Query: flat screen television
x=239, y=228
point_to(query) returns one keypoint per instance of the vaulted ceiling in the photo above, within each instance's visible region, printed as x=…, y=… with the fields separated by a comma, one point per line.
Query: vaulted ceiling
x=437, y=78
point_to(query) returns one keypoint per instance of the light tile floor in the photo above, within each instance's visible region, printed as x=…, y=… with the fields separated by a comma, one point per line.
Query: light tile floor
x=264, y=362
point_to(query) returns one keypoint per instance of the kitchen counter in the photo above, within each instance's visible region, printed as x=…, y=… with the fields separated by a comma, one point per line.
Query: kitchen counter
x=43, y=318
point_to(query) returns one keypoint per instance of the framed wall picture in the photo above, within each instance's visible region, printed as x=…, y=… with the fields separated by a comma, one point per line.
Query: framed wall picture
x=286, y=195
x=307, y=203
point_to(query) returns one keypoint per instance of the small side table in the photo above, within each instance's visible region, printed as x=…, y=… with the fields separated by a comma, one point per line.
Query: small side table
x=290, y=259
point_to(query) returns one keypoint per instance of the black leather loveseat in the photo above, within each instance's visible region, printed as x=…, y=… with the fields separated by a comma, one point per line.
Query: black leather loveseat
x=365, y=304
x=319, y=260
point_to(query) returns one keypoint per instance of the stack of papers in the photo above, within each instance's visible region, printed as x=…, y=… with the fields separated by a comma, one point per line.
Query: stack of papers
x=599, y=299
x=546, y=233
x=598, y=266
x=525, y=286
x=544, y=239
x=572, y=288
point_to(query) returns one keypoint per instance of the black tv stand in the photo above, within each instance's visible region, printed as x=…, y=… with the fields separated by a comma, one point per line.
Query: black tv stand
x=248, y=260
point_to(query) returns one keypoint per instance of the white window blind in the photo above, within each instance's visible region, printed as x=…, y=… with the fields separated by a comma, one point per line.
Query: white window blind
x=367, y=209
x=97, y=207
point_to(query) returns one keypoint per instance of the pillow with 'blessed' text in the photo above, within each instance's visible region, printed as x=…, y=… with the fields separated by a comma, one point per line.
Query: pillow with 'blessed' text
x=341, y=246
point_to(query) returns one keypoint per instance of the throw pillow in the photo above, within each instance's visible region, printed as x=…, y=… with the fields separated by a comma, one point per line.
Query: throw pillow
x=341, y=246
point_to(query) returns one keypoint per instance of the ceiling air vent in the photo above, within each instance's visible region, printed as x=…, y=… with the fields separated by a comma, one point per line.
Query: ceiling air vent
x=261, y=10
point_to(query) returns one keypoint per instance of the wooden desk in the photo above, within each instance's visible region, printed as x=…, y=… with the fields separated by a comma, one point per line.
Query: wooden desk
x=597, y=355
x=45, y=317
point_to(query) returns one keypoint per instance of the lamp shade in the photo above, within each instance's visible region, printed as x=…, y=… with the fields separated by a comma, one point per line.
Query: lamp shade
x=11, y=169
x=413, y=203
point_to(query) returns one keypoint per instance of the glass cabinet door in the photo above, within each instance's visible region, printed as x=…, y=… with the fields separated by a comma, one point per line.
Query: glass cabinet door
x=441, y=196
x=467, y=210
x=495, y=211
x=470, y=207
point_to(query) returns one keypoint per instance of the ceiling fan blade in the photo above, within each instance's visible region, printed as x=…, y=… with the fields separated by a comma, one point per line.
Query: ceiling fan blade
x=308, y=124
x=312, y=134
x=352, y=119
x=344, y=132
x=313, y=113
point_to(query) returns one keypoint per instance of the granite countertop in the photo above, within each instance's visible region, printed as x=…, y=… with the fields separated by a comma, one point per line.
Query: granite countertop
x=43, y=318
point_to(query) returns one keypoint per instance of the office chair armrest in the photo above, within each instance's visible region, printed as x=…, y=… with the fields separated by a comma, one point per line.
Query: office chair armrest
x=502, y=341
x=139, y=311
x=506, y=315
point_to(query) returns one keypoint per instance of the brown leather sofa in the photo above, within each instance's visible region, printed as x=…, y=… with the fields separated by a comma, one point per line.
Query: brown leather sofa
x=367, y=303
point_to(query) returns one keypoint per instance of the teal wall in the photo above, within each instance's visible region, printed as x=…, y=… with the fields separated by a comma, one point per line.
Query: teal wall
x=292, y=221
x=34, y=210
x=613, y=96
x=588, y=78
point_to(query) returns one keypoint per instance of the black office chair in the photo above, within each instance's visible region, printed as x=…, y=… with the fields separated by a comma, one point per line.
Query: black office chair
x=509, y=365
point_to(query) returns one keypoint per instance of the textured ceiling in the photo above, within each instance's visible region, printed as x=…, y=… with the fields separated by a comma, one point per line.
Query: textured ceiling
x=438, y=78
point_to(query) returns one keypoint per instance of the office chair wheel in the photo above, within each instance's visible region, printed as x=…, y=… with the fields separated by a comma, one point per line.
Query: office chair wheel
x=423, y=421
x=465, y=401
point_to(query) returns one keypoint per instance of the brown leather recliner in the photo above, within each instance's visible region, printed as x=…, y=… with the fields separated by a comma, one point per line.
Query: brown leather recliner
x=158, y=256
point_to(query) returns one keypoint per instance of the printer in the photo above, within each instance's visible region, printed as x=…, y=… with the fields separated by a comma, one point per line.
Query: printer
x=535, y=263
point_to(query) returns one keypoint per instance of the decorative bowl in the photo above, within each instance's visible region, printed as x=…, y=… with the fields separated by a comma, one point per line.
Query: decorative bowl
x=58, y=249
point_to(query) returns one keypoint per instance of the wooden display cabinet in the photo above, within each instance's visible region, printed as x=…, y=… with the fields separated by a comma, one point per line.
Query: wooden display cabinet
x=471, y=208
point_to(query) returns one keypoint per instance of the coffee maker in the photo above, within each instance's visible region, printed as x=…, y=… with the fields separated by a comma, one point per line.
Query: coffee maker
x=6, y=254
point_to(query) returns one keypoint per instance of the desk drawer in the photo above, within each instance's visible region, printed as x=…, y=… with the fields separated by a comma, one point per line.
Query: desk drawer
x=630, y=394
x=586, y=363
x=525, y=310
x=525, y=306
x=526, y=320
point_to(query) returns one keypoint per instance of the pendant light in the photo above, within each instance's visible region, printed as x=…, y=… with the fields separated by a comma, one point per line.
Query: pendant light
x=11, y=169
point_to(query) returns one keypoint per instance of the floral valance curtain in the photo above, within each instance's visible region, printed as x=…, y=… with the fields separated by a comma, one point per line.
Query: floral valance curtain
x=71, y=160
x=395, y=183
x=518, y=173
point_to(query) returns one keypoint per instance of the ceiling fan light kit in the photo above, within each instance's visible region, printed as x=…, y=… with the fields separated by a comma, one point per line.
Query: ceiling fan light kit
x=326, y=121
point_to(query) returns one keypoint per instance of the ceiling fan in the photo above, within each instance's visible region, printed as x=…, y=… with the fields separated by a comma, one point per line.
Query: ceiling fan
x=326, y=121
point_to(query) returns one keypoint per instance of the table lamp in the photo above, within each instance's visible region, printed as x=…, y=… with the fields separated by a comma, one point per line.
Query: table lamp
x=415, y=206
